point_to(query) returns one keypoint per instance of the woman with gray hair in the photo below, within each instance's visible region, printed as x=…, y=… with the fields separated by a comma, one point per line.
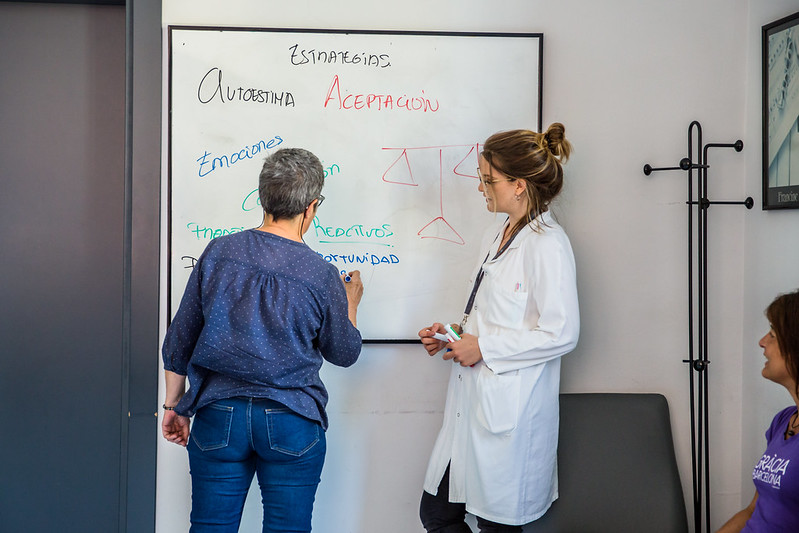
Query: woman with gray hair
x=260, y=313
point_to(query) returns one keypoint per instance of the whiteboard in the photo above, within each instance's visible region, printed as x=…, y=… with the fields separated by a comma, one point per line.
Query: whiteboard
x=396, y=118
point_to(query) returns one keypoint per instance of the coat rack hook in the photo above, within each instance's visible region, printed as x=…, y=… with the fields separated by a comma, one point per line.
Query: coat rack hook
x=649, y=169
x=685, y=164
x=737, y=145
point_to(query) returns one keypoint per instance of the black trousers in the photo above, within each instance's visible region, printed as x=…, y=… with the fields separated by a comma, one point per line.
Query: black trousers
x=440, y=516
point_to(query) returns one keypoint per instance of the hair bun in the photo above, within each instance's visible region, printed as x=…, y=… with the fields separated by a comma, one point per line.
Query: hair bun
x=555, y=139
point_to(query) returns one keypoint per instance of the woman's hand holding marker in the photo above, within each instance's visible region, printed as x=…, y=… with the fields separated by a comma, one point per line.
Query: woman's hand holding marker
x=433, y=338
x=461, y=349
x=452, y=335
x=354, y=288
x=465, y=351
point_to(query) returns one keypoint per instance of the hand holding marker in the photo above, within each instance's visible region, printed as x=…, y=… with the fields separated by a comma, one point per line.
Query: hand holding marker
x=353, y=287
x=451, y=335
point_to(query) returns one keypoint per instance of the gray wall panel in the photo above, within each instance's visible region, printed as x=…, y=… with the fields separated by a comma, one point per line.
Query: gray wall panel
x=61, y=265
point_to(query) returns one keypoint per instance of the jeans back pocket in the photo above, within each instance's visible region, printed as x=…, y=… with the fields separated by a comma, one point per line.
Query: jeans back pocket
x=211, y=428
x=291, y=433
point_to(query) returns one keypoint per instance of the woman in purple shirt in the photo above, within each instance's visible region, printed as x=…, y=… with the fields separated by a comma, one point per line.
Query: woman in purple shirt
x=260, y=313
x=775, y=507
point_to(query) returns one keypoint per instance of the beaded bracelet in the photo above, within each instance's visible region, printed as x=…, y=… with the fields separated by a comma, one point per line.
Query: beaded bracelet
x=168, y=408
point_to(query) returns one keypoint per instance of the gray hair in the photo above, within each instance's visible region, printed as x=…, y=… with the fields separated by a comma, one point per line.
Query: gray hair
x=290, y=180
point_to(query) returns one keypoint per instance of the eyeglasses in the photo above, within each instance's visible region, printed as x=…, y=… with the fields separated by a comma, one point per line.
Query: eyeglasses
x=321, y=199
x=488, y=181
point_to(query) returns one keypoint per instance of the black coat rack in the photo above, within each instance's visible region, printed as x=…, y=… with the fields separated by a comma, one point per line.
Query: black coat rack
x=698, y=359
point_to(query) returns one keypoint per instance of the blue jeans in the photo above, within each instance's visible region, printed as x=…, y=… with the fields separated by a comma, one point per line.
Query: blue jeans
x=233, y=439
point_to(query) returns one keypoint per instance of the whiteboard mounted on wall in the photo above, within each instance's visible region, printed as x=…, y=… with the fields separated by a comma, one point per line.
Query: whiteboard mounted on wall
x=396, y=118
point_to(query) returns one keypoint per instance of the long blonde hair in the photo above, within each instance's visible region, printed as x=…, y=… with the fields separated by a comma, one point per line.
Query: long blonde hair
x=533, y=157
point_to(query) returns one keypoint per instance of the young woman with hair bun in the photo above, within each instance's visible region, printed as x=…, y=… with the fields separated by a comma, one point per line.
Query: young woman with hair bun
x=495, y=456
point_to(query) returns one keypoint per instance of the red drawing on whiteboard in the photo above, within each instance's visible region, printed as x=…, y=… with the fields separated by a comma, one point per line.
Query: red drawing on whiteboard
x=400, y=173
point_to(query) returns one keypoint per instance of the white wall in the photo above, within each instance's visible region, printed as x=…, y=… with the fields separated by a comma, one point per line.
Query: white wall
x=626, y=77
x=771, y=256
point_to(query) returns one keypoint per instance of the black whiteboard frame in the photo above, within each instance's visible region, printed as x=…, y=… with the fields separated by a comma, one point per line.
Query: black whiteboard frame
x=533, y=35
x=770, y=194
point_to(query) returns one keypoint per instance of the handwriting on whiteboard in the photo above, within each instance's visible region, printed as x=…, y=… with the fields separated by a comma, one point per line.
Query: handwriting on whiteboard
x=377, y=101
x=208, y=162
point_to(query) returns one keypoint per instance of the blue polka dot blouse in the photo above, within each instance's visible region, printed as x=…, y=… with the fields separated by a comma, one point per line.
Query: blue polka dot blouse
x=259, y=315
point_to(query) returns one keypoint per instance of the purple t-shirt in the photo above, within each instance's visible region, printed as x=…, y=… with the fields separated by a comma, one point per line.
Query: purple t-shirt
x=776, y=478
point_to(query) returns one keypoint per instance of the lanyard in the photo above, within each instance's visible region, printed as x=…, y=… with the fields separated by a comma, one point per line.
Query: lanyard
x=479, y=279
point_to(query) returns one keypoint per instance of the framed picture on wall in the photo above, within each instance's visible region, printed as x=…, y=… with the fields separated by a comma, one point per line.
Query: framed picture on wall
x=781, y=113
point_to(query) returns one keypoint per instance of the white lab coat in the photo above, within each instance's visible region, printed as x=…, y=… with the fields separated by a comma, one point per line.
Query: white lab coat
x=500, y=430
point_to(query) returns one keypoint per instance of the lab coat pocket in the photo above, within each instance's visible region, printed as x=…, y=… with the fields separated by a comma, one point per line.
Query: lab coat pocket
x=507, y=308
x=498, y=400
